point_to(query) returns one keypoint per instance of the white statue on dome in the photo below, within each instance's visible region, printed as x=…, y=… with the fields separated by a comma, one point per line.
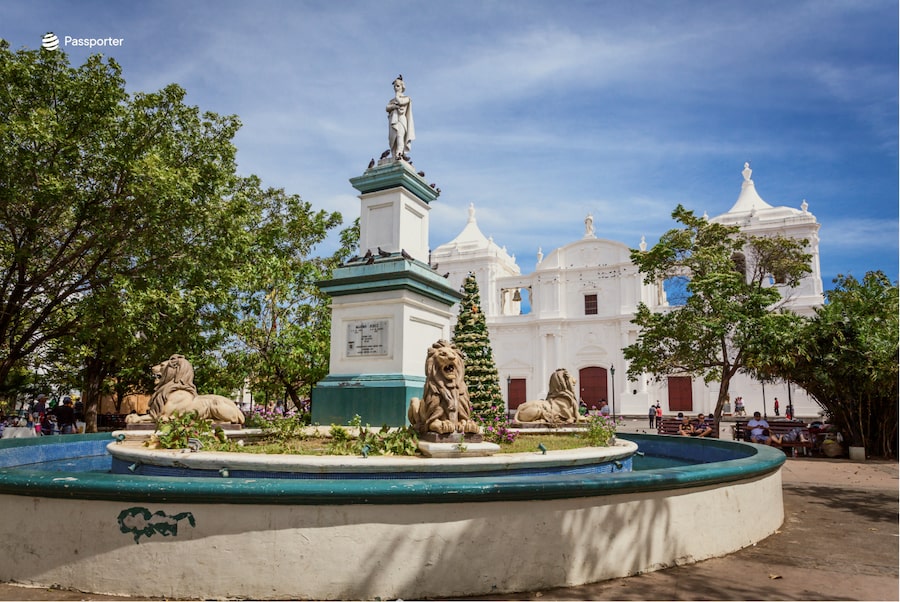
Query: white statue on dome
x=589, y=226
x=401, y=130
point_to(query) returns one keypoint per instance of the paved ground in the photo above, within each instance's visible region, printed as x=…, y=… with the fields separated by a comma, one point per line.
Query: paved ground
x=839, y=541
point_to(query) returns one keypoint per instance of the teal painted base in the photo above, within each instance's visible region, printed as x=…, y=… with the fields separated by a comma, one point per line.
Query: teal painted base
x=377, y=398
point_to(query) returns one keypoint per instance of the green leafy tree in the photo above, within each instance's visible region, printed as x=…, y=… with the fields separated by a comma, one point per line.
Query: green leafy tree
x=730, y=304
x=846, y=358
x=102, y=191
x=124, y=230
x=471, y=337
x=282, y=333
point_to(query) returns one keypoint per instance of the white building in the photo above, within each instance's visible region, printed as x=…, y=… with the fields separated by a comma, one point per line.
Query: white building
x=582, y=298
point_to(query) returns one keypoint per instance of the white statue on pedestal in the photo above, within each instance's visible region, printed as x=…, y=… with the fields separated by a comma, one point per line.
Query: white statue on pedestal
x=401, y=130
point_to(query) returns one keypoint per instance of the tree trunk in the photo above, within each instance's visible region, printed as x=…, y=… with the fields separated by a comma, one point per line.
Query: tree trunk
x=294, y=394
x=94, y=373
x=720, y=402
x=724, y=385
x=5, y=366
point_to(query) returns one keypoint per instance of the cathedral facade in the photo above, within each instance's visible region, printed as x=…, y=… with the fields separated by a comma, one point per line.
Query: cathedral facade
x=575, y=310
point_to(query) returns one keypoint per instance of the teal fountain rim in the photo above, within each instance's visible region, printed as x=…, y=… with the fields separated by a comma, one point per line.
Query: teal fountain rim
x=746, y=461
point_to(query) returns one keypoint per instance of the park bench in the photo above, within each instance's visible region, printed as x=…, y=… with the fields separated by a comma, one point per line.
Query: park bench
x=740, y=432
x=110, y=422
x=672, y=426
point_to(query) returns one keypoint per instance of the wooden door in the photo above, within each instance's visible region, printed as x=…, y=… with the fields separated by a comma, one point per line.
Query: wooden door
x=681, y=397
x=516, y=392
x=592, y=386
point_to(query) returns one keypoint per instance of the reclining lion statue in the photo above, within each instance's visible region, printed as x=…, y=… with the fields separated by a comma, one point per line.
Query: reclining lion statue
x=561, y=405
x=175, y=393
x=445, y=407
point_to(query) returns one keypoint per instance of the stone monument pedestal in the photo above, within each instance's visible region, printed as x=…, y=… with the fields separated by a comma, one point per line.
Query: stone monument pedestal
x=388, y=305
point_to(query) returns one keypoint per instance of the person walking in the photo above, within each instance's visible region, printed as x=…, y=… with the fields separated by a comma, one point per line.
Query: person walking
x=652, y=415
x=776, y=406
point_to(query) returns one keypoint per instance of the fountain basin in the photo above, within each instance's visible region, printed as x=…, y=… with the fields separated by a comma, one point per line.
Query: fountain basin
x=132, y=457
x=337, y=538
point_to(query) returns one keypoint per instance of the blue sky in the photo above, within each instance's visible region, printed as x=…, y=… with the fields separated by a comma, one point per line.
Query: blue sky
x=541, y=111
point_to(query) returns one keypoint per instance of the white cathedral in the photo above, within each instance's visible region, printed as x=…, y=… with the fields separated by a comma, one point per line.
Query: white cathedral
x=582, y=298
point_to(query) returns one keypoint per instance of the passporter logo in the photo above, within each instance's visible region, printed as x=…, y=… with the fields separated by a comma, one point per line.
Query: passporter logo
x=50, y=41
x=92, y=42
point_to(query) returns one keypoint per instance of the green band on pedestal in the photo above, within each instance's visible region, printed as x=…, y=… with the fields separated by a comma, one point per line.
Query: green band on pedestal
x=394, y=175
x=377, y=399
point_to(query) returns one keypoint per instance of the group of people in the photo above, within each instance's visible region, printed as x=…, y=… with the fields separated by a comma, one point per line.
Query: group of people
x=47, y=418
x=695, y=427
x=702, y=426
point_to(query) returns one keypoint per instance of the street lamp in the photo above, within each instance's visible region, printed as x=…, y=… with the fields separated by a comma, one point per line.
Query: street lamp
x=763, y=383
x=612, y=370
x=790, y=401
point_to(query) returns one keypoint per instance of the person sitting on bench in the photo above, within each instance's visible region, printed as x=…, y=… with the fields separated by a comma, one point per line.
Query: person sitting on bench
x=701, y=427
x=792, y=436
x=759, y=429
x=686, y=429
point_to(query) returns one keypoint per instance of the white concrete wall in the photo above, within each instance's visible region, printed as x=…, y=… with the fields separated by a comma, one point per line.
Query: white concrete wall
x=364, y=551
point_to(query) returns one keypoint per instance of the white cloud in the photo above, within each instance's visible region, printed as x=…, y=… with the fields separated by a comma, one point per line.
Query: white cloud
x=871, y=236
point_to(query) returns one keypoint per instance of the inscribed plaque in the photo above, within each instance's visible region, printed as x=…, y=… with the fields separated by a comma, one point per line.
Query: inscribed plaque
x=367, y=338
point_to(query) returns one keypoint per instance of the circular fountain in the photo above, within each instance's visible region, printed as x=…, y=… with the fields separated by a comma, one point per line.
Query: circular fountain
x=485, y=527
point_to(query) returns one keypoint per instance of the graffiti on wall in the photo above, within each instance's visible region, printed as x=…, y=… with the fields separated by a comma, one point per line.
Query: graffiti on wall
x=141, y=522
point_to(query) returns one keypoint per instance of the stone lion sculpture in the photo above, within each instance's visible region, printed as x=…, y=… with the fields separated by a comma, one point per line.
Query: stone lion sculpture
x=561, y=404
x=175, y=393
x=444, y=407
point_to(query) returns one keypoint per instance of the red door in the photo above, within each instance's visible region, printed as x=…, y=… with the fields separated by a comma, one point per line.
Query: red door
x=592, y=386
x=681, y=394
x=516, y=392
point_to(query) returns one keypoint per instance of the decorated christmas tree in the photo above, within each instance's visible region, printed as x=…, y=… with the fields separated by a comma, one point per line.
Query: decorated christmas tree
x=471, y=337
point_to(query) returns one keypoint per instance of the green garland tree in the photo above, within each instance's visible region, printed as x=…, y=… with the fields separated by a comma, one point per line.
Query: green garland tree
x=471, y=337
